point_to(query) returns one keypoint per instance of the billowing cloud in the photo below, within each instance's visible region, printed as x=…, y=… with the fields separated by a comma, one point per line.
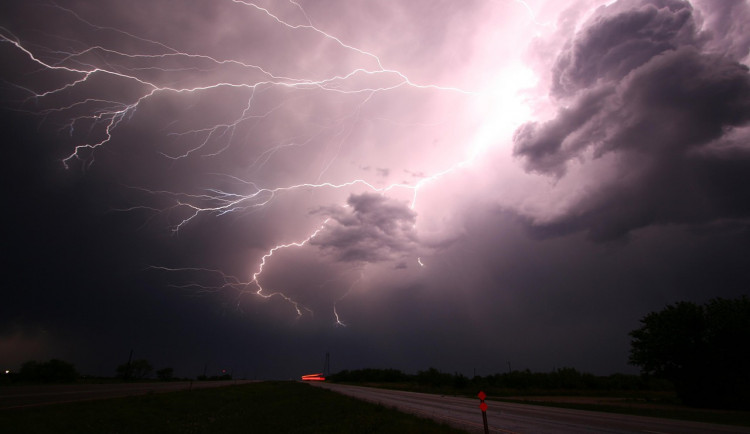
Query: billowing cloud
x=664, y=112
x=245, y=178
x=372, y=228
x=726, y=25
x=619, y=39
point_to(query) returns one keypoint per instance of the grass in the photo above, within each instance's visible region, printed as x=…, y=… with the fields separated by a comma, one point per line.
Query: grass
x=665, y=404
x=267, y=407
x=725, y=417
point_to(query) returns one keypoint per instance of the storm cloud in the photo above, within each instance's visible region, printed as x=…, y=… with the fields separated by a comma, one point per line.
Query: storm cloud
x=252, y=185
x=668, y=114
x=372, y=228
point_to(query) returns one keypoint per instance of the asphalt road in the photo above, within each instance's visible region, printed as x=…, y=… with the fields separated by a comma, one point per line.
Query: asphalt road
x=32, y=396
x=519, y=418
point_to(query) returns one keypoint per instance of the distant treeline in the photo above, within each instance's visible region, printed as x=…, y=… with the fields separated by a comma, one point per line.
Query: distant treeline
x=559, y=379
x=60, y=371
x=51, y=371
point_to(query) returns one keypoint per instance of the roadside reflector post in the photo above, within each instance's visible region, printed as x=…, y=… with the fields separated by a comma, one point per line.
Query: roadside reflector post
x=483, y=407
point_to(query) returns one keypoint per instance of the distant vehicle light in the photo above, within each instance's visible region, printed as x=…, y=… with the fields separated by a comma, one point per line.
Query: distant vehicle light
x=313, y=377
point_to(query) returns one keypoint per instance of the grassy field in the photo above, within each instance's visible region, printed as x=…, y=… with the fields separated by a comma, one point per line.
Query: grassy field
x=267, y=407
x=639, y=403
x=725, y=417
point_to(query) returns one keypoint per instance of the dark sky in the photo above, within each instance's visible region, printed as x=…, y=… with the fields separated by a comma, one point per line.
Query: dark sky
x=458, y=184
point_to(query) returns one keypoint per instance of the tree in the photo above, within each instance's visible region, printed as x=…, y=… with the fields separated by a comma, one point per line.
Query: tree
x=433, y=377
x=135, y=370
x=701, y=349
x=52, y=371
x=165, y=374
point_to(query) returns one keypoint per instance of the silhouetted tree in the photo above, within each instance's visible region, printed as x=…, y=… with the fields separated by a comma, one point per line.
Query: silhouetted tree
x=560, y=379
x=702, y=349
x=460, y=381
x=370, y=375
x=165, y=374
x=433, y=377
x=52, y=371
x=135, y=370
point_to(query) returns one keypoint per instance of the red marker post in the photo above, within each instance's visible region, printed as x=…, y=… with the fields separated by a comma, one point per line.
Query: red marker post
x=483, y=407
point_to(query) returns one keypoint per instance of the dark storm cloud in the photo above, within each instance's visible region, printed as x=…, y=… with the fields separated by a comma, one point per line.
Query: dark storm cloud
x=372, y=228
x=613, y=45
x=549, y=146
x=646, y=93
x=651, y=102
x=727, y=25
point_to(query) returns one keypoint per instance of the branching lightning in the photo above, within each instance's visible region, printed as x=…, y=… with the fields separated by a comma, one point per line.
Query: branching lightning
x=339, y=322
x=106, y=115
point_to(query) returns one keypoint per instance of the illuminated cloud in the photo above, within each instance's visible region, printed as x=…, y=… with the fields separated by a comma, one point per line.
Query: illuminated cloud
x=666, y=114
x=239, y=179
x=372, y=228
x=620, y=38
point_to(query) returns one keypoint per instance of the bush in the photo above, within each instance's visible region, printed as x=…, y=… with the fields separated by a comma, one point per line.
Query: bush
x=52, y=371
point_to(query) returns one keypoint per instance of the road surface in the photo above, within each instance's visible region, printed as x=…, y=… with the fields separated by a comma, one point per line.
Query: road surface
x=31, y=396
x=520, y=418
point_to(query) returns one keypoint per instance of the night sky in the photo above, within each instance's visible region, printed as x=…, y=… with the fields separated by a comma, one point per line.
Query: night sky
x=402, y=184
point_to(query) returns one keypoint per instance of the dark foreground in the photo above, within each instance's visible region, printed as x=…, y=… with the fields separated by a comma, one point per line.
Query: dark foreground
x=264, y=407
x=521, y=418
x=47, y=394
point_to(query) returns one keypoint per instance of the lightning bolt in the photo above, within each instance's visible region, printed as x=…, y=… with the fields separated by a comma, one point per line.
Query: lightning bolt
x=531, y=12
x=268, y=255
x=104, y=116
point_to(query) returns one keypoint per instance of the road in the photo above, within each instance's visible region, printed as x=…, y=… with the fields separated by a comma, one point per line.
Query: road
x=32, y=396
x=519, y=418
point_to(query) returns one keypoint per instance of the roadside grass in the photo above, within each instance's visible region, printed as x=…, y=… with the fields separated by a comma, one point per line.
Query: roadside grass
x=266, y=407
x=725, y=417
x=639, y=403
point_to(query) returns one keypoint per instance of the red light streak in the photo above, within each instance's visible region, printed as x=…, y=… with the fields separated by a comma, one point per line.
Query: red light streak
x=313, y=377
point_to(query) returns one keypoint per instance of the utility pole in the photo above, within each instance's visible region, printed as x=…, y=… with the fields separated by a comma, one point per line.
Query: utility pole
x=327, y=365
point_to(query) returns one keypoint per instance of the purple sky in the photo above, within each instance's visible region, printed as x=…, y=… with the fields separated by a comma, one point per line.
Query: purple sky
x=403, y=184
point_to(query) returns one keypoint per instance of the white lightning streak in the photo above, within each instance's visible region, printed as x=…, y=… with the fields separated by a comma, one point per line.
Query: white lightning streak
x=268, y=255
x=216, y=201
